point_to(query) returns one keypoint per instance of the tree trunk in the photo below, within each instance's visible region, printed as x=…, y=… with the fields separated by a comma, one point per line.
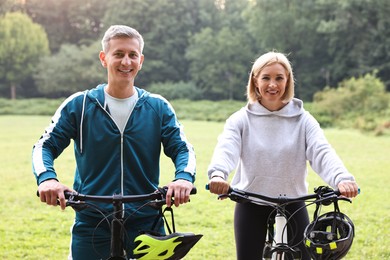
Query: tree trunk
x=13, y=91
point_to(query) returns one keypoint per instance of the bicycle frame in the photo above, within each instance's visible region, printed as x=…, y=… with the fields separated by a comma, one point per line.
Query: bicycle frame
x=277, y=244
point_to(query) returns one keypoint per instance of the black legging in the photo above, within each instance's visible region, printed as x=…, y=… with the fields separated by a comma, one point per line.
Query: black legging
x=250, y=228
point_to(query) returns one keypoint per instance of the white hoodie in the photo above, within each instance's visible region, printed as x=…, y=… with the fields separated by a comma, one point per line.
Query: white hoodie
x=270, y=150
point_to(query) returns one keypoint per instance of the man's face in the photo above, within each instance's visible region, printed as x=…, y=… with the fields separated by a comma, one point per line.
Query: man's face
x=123, y=60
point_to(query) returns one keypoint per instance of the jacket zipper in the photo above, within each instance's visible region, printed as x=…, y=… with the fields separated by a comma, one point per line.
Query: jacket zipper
x=121, y=147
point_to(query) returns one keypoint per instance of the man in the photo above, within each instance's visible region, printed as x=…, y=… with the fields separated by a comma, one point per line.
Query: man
x=117, y=130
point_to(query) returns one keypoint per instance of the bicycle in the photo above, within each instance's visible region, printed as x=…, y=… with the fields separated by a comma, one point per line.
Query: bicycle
x=328, y=236
x=173, y=246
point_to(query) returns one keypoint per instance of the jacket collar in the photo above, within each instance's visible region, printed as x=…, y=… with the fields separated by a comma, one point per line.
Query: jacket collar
x=96, y=95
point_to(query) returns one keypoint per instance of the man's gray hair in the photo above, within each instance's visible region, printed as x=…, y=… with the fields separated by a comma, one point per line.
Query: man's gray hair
x=120, y=31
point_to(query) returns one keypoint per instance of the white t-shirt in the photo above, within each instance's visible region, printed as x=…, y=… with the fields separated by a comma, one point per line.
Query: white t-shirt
x=121, y=108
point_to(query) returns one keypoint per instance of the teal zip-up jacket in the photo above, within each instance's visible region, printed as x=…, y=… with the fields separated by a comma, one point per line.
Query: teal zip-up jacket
x=110, y=162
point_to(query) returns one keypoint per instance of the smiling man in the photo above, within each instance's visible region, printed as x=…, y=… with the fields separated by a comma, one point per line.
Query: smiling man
x=117, y=131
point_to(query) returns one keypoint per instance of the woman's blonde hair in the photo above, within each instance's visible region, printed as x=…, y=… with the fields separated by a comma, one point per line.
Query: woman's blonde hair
x=264, y=60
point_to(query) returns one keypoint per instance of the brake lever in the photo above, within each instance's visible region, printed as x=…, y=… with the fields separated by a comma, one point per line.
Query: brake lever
x=77, y=205
x=237, y=197
x=223, y=196
x=157, y=204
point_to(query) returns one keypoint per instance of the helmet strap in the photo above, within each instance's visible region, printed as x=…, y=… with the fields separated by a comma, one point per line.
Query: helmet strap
x=162, y=215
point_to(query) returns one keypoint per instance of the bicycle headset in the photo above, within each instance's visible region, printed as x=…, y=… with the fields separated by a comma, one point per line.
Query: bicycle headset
x=329, y=236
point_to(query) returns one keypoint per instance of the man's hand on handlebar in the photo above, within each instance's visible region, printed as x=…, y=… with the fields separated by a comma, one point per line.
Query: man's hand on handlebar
x=218, y=185
x=180, y=190
x=51, y=191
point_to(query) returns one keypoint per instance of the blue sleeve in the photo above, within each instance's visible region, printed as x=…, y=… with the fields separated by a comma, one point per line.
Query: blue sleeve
x=54, y=140
x=176, y=145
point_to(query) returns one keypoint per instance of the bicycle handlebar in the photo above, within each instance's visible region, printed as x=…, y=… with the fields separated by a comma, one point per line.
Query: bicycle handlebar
x=321, y=193
x=160, y=193
x=158, y=196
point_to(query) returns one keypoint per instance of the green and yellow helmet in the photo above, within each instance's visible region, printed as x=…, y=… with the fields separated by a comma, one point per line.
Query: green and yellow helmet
x=172, y=246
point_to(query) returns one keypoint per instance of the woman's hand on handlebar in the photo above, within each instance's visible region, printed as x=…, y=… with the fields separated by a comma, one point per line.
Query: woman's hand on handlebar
x=218, y=185
x=348, y=189
x=51, y=191
x=180, y=190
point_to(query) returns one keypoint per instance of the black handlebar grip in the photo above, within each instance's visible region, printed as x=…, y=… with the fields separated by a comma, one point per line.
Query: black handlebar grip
x=193, y=191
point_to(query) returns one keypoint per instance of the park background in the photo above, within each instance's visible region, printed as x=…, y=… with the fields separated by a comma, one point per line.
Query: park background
x=198, y=54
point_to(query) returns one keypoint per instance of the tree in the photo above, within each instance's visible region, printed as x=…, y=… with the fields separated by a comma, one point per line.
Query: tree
x=358, y=36
x=220, y=63
x=23, y=43
x=67, y=21
x=73, y=68
x=166, y=26
x=5, y=6
x=220, y=55
x=291, y=27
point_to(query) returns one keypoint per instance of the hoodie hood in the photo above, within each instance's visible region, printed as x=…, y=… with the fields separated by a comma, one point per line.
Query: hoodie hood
x=292, y=109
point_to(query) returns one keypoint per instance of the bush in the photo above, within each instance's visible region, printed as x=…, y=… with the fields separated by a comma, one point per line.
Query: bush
x=356, y=103
x=192, y=110
x=36, y=106
x=179, y=90
x=206, y=110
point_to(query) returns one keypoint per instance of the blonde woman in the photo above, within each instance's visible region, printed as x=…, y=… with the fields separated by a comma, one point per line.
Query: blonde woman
x=268, y=142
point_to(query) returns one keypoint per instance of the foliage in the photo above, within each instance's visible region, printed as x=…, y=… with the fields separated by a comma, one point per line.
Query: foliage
x=36, y=106
x=166, y=28
x=353, y=105
x=220, y=55
x=213, y=43
x=357, y=102
x=204, y=110
x=5, y=6
x=68, y=21
x=32, y=230
x=219, y=71
x=290, y=27
x=179, y=90
x=357, y=37
x=72, y=69
x=18, y=57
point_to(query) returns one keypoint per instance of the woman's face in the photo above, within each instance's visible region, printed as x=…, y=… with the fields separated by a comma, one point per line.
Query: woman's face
x=271, y=84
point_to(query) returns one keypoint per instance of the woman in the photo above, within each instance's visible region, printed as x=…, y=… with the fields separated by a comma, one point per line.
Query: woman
x=269, y=142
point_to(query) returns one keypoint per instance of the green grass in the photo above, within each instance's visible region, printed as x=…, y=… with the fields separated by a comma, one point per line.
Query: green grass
x=32, y=230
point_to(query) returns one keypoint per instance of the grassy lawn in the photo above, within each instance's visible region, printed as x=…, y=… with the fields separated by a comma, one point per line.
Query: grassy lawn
x=32, y=230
